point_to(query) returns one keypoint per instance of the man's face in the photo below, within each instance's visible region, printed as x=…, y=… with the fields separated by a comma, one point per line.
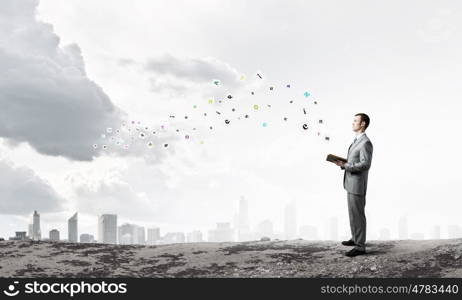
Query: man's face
x=356, y=126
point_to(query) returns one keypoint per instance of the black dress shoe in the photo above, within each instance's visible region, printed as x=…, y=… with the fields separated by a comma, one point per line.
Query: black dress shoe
x=354, y=252
x=348, y=243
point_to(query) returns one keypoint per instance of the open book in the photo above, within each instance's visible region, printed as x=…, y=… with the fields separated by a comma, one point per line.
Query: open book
x=333, y=158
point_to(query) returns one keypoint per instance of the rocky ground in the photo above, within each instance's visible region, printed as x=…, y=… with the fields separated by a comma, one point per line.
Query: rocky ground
x=297, y=258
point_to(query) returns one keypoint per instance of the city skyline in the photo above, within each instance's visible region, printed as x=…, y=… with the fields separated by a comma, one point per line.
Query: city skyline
x=109, y=231
x=69, y=85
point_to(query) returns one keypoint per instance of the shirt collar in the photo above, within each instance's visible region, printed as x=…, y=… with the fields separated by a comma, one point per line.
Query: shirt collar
x=359, y=135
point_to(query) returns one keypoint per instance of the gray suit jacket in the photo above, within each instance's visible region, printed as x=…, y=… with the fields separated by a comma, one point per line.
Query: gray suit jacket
x=357, y=167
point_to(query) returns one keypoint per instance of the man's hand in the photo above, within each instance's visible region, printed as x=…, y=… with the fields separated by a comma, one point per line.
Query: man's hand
x=339, y=163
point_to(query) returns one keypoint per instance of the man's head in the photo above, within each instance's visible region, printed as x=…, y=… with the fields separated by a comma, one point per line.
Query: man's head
x=360, y=122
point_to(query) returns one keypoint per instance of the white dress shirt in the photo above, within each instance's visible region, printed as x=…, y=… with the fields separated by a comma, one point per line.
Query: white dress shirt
x=358, y=136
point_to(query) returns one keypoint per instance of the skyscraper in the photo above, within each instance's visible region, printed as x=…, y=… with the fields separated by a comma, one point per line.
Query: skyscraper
x=173, y=238
x=125, y=238
x=194, y=236
x=54, y=235
x=20, y=236
x=30, y=231
x=107, y=229
x=242, y=220
x=131, y=234
x=36, y=232
x=72, y=231
x=223, y=233
x=87, y=238
x=139, y=236
x=153, y=235
x=290, y=220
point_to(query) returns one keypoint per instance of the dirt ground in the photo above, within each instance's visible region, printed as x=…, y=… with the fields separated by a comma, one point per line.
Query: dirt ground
x=296, y=258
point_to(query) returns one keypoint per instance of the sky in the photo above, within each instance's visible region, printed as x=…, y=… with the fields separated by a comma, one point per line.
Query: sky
x=70, y=70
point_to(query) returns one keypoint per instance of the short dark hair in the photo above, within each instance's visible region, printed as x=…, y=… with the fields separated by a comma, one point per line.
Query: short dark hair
x=364, y=118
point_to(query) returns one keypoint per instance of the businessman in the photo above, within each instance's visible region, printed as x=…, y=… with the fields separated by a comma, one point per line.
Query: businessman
x=355, y=183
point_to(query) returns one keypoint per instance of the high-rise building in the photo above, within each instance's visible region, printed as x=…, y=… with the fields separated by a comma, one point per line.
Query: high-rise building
x=139, y=236
x=107, y=229
x=173, y=238
x=125, y=238
x=223, y=233
x=131, y=234
x=384, y=234
x=36, y=232
x=194, y=236
x=242, y=223
x=54, y=235
x=290, y=220
x=30, y=231
x=265, y=229
x=454, y=231
x=403, y=228
x=308, y=232
x=72, y=231
x=435, y=232
x=20, y=236
x=87, y=238
x=153, y=236
x=125, y=233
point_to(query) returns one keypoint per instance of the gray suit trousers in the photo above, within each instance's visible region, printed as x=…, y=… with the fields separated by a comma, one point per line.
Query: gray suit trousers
x=356, y=204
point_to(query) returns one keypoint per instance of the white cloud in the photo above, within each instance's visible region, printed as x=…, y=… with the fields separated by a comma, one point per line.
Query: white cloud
x=46, y=98
x=197, y=70
x=22, y=191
